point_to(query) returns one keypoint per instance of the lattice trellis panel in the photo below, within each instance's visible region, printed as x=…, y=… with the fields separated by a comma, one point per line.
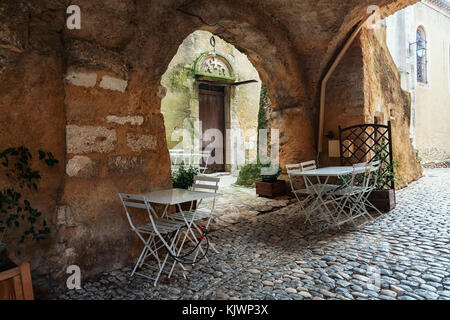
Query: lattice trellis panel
x=367, y=142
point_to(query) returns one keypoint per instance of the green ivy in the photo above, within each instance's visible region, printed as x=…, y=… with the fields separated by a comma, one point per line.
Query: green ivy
x=15, y=211
x=262, y=114
x=250, y=173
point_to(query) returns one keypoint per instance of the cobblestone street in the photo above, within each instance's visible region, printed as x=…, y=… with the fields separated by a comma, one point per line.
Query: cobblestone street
x=404, y=254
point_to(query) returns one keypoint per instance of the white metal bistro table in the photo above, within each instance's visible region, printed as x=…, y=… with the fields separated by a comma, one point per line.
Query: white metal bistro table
x=337, y=171
x=322, y=188
x=176, y=197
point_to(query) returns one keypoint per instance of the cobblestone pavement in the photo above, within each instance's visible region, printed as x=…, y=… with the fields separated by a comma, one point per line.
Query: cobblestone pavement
x=404, y=254
x=240, y=203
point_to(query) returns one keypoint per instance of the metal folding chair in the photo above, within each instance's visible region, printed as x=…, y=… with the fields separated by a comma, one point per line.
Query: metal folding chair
x=192, y=216
x=206, y=154
x=290, y=168
x=312, y=190
x=176, y=159
x=157, y=234
x=371, y=185
x=349, y=197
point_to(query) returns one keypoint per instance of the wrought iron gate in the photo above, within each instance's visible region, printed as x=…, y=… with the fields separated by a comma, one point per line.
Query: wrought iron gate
x=367, y=142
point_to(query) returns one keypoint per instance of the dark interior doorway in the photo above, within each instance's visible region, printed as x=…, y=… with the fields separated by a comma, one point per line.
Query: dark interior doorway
x=212, y=116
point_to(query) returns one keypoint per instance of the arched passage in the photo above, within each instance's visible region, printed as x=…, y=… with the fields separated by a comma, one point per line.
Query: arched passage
x=206, y=89
x=104, y=98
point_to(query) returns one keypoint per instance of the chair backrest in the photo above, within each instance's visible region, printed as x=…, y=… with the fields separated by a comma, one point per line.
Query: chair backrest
x=175, y=155
x=375, y=165
x=289, y=169
x=292, y=167
x=374, y=172
x=206, y=154
x=308, y=165
x=134, y=201
x=360, y=175
x=359, y=165
x=206, y=184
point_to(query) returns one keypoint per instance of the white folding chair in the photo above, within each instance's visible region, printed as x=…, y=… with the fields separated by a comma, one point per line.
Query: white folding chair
x=366, y=186
x=371, y=185
x=176, y=159
x=312, y=190
x=206, y=154
x=324, y=187
x=193, y=216
x=157, y=234
x=291, y=168
x=205, y=184
x=349, y=197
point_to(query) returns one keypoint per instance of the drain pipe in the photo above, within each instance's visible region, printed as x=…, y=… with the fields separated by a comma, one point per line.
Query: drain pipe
x=330, y=71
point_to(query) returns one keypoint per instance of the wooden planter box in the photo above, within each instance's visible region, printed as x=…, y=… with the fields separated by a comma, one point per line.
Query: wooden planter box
x=271, y=189
x=15, y=283
x=383, y=200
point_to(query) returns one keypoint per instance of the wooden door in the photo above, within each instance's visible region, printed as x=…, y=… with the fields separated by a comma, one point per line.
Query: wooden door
x=212, y=116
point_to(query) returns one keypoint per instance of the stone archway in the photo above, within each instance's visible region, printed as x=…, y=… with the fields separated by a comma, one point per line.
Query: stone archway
x=185, y=107
x=100, y=88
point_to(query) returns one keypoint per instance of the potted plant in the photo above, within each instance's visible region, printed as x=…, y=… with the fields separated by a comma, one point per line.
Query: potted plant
x=384, y=199
x=19, y=218
x=184, y=179
x=248, y=175
x=270, y=186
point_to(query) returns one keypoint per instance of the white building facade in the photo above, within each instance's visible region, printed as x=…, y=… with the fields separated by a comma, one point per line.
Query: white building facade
x=418, y=38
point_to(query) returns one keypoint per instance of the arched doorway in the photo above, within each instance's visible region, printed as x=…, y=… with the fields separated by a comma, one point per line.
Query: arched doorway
x=211, y=106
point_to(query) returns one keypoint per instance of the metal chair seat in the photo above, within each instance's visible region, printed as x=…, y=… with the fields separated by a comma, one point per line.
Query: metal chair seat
x=324, y=187
x=311, y=190
x=162, y=226
x=190, y=215
x=348, y=191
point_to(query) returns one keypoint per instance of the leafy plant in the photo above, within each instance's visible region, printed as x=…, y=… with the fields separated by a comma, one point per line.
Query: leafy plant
x=263, y=121
x=184, y=178
x=248, y=174
x=418, y=158
x=15, y=211
x=386, y=174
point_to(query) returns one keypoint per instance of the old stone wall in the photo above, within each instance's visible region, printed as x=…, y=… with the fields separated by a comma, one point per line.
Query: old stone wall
x=115, y=143
x=344, y=103
x=366, y=85
x=385, y=98
x=32, y=107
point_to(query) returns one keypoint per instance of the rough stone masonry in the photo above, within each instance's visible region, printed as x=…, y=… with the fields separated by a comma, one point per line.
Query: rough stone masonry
x=90, y=96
